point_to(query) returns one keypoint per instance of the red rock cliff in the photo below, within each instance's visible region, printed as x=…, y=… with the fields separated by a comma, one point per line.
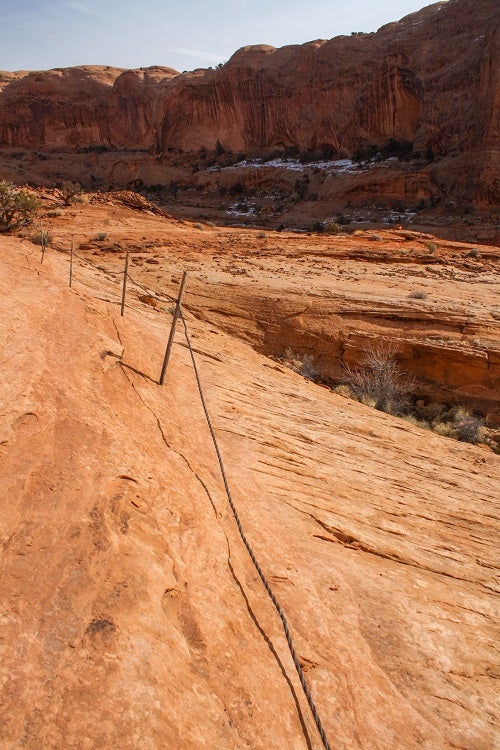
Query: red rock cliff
x=430, y=79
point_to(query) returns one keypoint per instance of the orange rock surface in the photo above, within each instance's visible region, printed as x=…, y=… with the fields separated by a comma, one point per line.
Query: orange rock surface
x=131, y=613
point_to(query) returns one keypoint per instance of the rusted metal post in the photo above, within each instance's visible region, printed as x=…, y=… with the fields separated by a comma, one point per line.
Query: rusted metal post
x=71, y=259
x=124, y=290
x=172, y=329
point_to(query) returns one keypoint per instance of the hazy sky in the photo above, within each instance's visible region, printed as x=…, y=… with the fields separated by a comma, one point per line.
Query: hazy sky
x=182, y=34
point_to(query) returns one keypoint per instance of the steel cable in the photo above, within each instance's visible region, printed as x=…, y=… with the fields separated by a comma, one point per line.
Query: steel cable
x=250, y=551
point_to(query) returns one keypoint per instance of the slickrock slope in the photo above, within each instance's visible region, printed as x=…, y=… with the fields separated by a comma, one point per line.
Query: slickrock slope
x=328, y=296
x=131, y=614
x=430, y=79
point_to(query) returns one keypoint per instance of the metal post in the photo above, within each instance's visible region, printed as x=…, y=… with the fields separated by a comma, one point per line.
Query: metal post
x=124, y=284
x=172, y=329
x=71, y=259
x=42, y=238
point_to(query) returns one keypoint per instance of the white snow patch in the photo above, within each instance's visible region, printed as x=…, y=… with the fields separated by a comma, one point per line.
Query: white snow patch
x=398, y=217
x=237, y=209
x=294, y=165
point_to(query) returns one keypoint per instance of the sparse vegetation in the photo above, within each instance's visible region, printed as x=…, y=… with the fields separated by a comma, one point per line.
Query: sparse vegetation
x=344, y=390
x=17, y=207
x=69, y=190
x=473, y=253
x=379, y=381
x=303, y=364
x=469, y=429
x=418, y=294
x=100, y=237
x=43, y=237
x=332, y=227
x=412, y=419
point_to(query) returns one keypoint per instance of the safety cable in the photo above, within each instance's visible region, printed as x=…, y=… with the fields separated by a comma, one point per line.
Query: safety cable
x=250, y=551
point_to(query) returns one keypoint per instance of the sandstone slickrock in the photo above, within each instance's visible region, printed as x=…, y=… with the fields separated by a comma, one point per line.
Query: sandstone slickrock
x=131, y=615
x=430, y=79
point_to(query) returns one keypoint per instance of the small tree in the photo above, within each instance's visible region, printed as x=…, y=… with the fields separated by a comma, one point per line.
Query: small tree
x=17, y=207
x=69, y=190
x=380, y=381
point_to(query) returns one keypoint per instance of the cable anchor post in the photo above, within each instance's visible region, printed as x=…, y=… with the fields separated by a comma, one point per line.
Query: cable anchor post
x=177, y=312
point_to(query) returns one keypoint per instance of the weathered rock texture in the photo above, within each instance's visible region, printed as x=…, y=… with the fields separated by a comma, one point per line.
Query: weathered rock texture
x=329, y=296
x=431, y=79
x=131, y=616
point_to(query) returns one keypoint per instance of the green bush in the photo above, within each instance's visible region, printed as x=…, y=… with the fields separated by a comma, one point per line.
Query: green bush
x=17, y=207
x=69, y=190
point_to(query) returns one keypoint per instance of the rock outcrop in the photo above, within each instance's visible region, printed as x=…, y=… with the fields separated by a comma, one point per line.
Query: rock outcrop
x=430, y=80
x=328, y=296
x=131, y=615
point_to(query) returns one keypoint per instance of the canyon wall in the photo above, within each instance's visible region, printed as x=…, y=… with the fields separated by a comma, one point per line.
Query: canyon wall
x=430, y=79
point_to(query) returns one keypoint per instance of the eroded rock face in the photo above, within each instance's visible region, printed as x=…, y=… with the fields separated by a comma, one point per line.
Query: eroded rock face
x=430, y=79
x=131, y=615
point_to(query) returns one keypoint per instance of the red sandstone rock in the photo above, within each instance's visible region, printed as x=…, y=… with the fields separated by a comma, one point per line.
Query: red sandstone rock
x=131, y=615
x=431, y=79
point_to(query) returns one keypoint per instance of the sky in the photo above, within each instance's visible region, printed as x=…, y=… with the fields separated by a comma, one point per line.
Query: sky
x=181, y=34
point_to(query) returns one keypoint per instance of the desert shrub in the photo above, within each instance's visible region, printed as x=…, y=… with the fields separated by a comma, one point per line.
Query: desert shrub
x=307, y=368
x=17, y=207
x=412, y=419
x=468, y=428
x=445, y=429
x=368, y=401
x=379, y=381
x=431, y=246
x=69, y=190
x=344, y=390
x=100, y=237
x=43, y=237
x=433, y=412
x=474, y=253
x=332, y=227
x=301, y=363
x=418, y=294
